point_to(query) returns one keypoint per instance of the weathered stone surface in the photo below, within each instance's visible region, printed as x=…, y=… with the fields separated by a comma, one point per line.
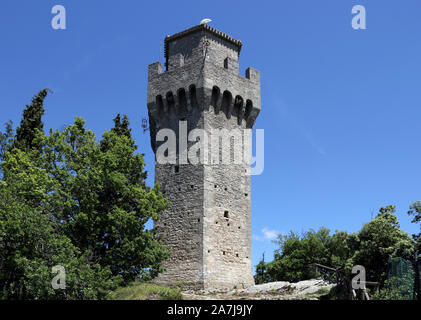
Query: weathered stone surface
x=282, y=290
x=208, y=225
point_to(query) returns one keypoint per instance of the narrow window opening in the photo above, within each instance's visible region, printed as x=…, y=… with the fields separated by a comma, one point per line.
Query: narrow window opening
x=226, y=103
x=159, y=104
x=223, y=252
x=249, y=107
x=170, y=99
x=215, y=97
x=226, y=63
x=238, y=107
x=182, y=101
x=226, y=214
x=177, y=169
x=237, y=255
x=193, y=97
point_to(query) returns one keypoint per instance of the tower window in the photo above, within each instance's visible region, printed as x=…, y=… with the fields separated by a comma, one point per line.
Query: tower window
x=226, y=214
x=193, y=97
x=223, y=252
x=159, y=104
x=238, y=108
x=170, y=99
x=249, y=107
x=182, y=101
x=215, y=98
x=226, y=103
x=176, y=169
x=226, y=63
x=237, y=255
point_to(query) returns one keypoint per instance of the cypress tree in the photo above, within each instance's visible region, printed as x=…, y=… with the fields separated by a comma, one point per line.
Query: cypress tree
x=31, y=122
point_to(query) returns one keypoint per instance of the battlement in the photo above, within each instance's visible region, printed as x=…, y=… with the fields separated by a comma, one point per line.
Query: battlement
x=180, y=102
x=192, y=43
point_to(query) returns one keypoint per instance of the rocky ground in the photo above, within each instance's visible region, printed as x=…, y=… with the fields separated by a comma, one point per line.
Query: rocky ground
x=281, y=290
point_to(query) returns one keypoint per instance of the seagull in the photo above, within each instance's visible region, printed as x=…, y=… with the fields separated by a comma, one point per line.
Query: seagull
x=204, y=21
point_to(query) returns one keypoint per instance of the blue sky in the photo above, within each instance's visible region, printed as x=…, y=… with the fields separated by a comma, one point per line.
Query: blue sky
x=340, y=107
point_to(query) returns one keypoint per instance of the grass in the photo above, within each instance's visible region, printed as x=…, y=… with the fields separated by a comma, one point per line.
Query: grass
x=145, y=291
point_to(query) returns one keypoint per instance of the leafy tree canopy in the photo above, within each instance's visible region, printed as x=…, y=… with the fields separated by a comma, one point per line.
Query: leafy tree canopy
x=69, y=199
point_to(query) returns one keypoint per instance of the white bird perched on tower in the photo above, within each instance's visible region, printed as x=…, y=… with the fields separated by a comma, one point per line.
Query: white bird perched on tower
x=204, y=21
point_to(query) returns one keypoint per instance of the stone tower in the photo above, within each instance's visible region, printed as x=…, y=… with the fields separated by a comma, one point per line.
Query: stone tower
x=208, y=224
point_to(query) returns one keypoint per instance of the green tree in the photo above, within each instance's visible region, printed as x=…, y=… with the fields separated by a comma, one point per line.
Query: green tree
x=373, y=246
x=31, y=123
x=260, y=276
x=6, y=139
x=30, y=245
x=295, y=254
x=415, y=210
x=380, y=240
x=67, y=199
x=121, y=127
x=102, y=202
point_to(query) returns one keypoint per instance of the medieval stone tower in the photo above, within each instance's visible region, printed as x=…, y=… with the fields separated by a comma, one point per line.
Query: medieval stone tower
x=208, y=224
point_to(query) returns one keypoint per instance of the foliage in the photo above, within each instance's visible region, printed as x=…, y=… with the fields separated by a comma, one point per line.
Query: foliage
x=68, y=199
x=295, y=254
x=415, y=210
x=380, y=240
x=6, y=139
x=101, y=201
x=145, y=291
x=31, y=123
x=396, y=288
x=377, y=242
x=30, y=245
x=260, y=275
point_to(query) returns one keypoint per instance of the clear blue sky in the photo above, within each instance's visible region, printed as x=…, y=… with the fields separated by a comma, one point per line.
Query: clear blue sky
x=341, y=108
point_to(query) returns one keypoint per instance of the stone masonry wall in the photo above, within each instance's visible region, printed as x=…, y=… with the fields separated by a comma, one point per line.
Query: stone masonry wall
x=208, y=224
